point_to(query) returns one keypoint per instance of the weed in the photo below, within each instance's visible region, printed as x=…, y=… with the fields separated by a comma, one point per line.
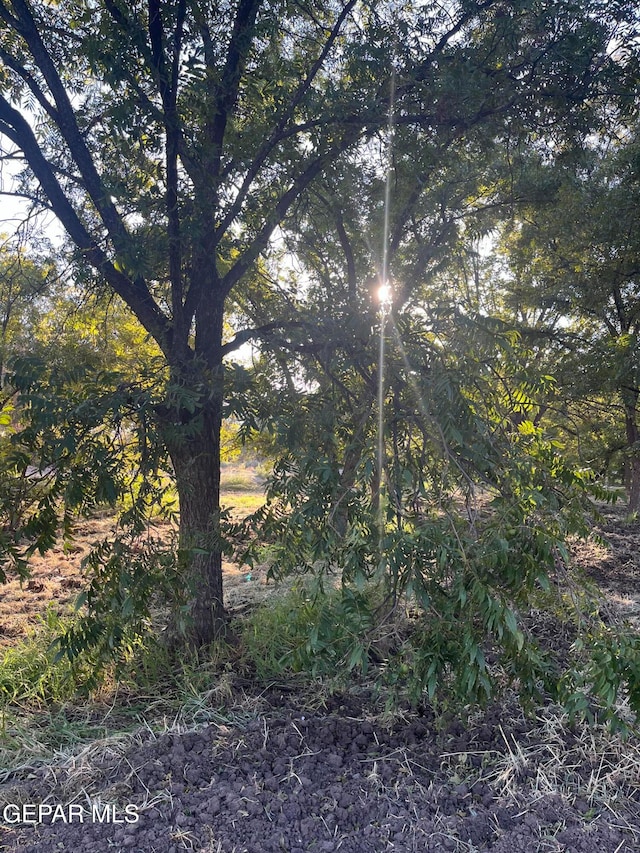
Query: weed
x=28, y=674
x=311, y=630
x=273, y=636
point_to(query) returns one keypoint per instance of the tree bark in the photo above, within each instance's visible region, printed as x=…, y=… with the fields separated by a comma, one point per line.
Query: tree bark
x=633, y=460
x=194, y=448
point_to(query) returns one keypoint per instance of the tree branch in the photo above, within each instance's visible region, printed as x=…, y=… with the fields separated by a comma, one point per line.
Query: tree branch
x=28, y=78
x=168, y=86
x=226, y=94
x=246, y=335
x=261, y=240
x=276, y=134
x=65, y=121
x=133, y=292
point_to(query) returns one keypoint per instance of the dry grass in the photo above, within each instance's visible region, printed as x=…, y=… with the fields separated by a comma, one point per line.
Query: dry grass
x=57, y=578
x=83, y=774
x=577, y=763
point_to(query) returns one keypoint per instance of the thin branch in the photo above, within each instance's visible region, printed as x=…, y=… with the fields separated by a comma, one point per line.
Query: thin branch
x=168, y=86
x=28, y=78
x=246, y=335
x=65, y=120
x=133, y=292
x=261, y=240
x=345, y=244
x=276, y=134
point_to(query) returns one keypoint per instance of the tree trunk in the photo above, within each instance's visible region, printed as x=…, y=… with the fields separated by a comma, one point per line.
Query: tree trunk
x=633, y=461
x=195, y=453
x=192, y=435
x=634, y=484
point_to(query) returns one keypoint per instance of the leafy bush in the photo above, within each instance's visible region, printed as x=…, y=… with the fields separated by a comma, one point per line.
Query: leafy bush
x=130, y=579
x=311, y=630
x=465, y=527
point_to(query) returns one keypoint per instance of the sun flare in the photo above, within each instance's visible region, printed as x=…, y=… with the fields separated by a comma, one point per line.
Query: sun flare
x=385, y=294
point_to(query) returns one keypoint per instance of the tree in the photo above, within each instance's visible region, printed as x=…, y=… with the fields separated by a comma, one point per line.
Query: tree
x=23, y=281
x=577, y=256
x=173, y=139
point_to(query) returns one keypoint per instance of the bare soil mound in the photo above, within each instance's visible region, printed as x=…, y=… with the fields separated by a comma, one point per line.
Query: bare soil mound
x=292, y=781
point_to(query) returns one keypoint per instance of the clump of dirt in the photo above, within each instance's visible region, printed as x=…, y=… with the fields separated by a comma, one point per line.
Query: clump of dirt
x=293, y=780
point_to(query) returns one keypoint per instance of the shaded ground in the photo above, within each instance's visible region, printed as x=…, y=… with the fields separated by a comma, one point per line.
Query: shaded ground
x=274, y=773
x=614, y=565
x=57, y=578
x=617, y=566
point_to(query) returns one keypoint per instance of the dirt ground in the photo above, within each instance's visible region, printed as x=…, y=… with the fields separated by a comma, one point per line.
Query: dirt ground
x=278, y=772
x=56, y=578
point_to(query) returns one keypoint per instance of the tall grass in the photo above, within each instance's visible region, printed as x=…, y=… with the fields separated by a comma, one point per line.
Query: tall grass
x=28, y=675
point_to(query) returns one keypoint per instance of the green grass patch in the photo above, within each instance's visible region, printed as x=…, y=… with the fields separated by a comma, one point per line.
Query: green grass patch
x=242, y=504
x=28, y=675
x=309, y=630
x=241, y=478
